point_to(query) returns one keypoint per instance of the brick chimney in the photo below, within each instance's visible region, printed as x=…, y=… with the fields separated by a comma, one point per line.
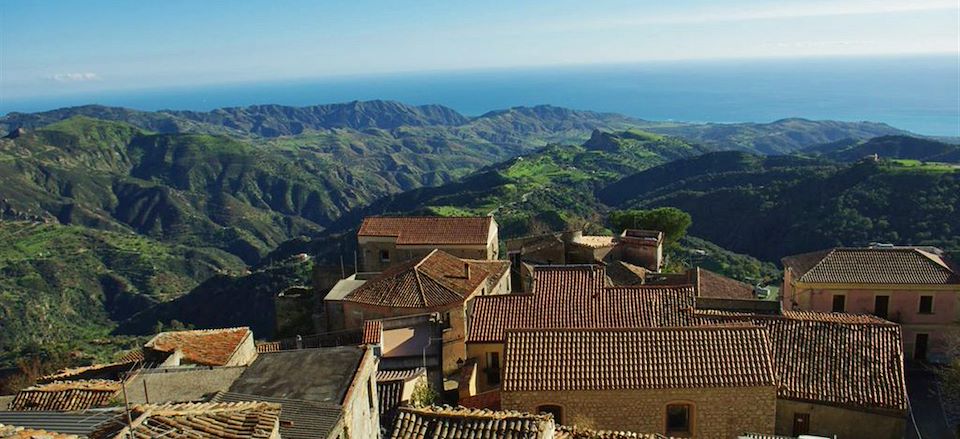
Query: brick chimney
x=466, y=270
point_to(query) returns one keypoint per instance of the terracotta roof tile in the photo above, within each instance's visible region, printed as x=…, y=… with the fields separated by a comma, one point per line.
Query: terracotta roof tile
x=873, y=266
x=439, y=279
x=566, y=432
x=372, y=331
x=430, y=230
x=66, y=395
x=209, y=347
x=133, y=355
x=400, y=375
x=11, y=432
x=638, y=358
x=200, y=421
x=592, y=241
x=464, y=423
x=269, y=346
x=842, y=359
x=575, y=297
x=110, y=371
x=710, y=284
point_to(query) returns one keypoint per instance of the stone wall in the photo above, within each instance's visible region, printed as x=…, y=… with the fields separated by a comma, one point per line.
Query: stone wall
x=179, y=385
x=361, y=411
x=830, y=421
x=718, y=413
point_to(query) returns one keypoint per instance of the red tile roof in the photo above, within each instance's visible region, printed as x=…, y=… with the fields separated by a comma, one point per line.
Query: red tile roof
x=66, y=395
x=710, y=284
x=439, y=279
x=372, y=331
x=209, y=347
x=899, y=266
x=200, y=421
x=637, y=358
x=574, y=296
x=430, y=230
x=833, y=358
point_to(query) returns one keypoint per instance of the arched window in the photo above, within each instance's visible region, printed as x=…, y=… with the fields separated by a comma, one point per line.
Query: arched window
x=554, y=410
x=679, y=419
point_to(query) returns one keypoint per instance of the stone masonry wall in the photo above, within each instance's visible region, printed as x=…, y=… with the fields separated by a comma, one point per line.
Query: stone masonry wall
x=718, y=413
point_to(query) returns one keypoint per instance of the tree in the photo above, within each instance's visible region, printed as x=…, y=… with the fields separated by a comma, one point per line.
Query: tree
x=671, y=221
x=423, y=394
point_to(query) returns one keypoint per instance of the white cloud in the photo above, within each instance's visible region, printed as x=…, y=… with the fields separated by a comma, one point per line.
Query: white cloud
x=74, y=77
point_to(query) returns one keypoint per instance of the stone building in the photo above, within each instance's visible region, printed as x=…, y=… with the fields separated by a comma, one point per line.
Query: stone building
x=839, y=375
x=437, y=283
x=384, y=241
x=916, y=287
x=205, y=347
x=572, y=297
x=704, y=382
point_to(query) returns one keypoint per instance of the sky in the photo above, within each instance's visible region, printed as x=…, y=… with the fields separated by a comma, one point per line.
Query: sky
x=51, y=48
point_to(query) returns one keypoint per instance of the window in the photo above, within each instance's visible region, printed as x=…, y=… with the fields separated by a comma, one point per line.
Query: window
x=679, y=420
x=926, y=304
x=839, y=303
x=493, y=368
x=554, y=410
x=384, y=255
x=880, y=305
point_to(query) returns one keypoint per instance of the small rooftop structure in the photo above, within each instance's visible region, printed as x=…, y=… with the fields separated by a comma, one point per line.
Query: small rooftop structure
x=462, y=423
x=206, y=347
x=433, y=230
x=637, y=358
x=200, y=421
x=873, y=265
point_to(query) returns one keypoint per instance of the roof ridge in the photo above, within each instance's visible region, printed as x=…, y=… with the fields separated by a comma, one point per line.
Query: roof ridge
x=738, y=326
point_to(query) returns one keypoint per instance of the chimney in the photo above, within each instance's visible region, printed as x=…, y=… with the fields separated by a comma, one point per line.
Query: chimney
x=466, y=270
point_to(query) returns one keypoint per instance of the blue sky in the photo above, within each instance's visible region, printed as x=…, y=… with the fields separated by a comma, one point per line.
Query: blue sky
x=51, y=48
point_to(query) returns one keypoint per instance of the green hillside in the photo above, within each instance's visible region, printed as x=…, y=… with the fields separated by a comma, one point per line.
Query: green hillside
x=773, y=207
x=63, y=287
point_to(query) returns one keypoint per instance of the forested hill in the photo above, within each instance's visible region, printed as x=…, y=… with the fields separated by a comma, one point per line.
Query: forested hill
x=776, y=206
x=887, y=147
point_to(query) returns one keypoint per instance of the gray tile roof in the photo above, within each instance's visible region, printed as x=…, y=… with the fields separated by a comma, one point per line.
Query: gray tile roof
x=80, y=423
x=321, y=375
x=298, y=419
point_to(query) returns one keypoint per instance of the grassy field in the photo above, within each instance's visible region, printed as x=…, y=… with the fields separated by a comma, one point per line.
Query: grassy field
x=919, y=166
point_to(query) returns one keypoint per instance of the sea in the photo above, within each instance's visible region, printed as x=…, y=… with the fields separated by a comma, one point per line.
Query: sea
x=917, y=93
